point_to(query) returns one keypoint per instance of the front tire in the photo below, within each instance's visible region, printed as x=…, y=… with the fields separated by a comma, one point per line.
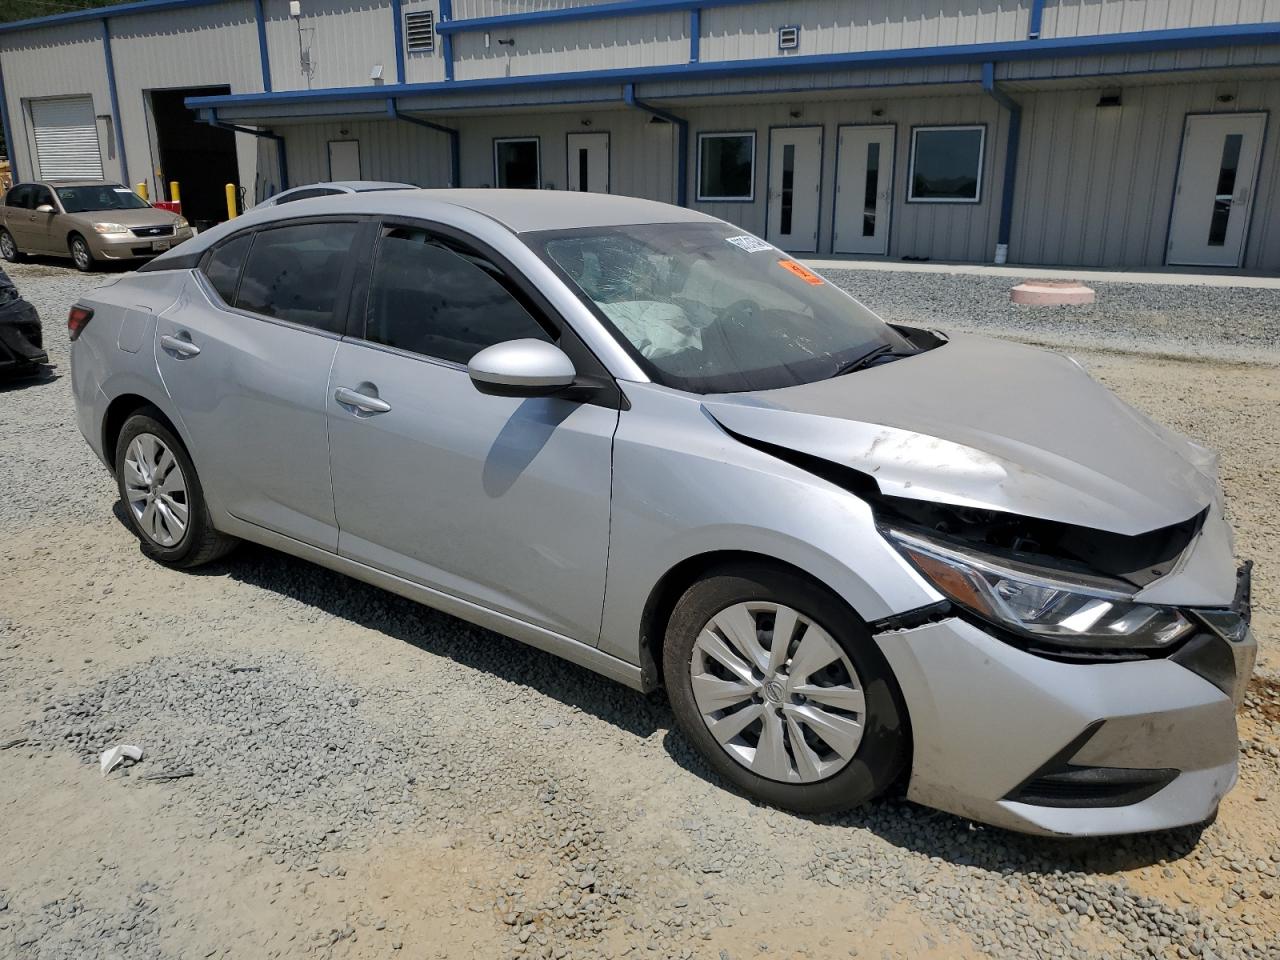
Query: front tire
x=9, y=248
x=81, y=255
x=780, y=686
x=162, y=495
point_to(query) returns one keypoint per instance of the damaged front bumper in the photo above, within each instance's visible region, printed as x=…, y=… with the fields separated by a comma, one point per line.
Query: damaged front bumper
x=1042, y=746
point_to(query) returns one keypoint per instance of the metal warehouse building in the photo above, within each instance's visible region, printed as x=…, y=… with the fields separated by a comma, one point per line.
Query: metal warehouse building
x=1115, y=133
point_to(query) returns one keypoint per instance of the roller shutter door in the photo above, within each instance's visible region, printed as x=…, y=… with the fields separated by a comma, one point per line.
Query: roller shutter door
x=66, y=139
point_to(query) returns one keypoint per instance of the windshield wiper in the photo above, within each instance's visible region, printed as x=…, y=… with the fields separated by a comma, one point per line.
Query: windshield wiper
x=870, y=357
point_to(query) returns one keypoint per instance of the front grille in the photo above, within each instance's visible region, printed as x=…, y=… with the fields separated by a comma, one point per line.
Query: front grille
x=166, y=231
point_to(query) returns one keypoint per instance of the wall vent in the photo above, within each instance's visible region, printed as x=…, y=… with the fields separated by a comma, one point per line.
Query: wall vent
x=788, y=38
x=420, y=31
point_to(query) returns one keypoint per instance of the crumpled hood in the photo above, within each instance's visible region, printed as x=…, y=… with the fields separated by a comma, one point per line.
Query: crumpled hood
x=986, y=423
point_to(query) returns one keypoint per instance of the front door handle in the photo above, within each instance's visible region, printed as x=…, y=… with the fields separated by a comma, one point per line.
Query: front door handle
x=361, y=401
x=179, y=345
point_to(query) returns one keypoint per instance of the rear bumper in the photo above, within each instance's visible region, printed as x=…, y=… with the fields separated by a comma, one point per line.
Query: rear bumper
x=1040, y=746
x=21, y=338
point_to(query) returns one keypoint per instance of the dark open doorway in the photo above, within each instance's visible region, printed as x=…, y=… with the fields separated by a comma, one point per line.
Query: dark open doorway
x=201, y=158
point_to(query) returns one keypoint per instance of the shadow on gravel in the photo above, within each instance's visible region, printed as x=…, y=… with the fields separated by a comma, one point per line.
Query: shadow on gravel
x=44, y=376
x=959, y=841
x=897, y=821
x=442, y=635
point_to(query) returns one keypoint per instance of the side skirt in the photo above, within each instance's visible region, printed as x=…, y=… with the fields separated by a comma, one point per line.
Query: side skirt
x=561, y=646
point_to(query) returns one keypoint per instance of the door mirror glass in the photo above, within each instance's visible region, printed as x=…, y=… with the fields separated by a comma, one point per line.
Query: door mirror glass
x=521, y=368
x=44, y=208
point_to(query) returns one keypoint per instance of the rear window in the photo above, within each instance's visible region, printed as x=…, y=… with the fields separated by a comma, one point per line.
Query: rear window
x=294, y=273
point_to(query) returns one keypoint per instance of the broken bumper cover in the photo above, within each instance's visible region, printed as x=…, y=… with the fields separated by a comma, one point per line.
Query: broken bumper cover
x=1042, y=746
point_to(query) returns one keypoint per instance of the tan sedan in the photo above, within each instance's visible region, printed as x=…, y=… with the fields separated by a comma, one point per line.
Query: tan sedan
x=86, y=221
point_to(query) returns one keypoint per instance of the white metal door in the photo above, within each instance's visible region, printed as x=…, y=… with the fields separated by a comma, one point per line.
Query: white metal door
x=1214, y=197
x=864, y=190
x=588, y=162
x=344, y=159
x=795, y=187
x=66, y=134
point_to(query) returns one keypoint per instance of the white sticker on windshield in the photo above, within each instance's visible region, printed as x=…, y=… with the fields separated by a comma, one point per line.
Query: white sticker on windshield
x=122, y=190
x=749, y=243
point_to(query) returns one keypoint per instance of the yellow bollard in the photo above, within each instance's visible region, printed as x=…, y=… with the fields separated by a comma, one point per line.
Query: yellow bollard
x=173, y=192
x=141, y=189
x=231, y=201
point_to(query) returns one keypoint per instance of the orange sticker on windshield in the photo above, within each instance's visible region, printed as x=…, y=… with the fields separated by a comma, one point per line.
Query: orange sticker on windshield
x=801, y=271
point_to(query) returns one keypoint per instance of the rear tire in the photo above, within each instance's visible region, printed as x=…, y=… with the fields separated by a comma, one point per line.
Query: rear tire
x=840, y=733
x=9, y=247
x=81, y=255
x=162, y=495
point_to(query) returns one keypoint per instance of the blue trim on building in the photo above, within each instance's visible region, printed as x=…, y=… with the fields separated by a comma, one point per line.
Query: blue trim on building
x=263, y=56
x=115, y=101
x=682, y=140
x=1037, y=17
x=8, y=131
x=455, y=148
x=695, y=35
x=397, y=32
x=1100, y=45
x=1010, y=185
x=446, y=38
x=596, y=11
x=101, y=13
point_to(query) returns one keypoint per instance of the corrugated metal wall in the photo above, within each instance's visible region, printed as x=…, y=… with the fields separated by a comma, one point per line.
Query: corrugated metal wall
x=57, y=61
x=389, y=150
x=425, y=66
x=345, y=39
x=586, y=45
x=1071, y=18
x=467, y=9
x=185, y=48
x=1169, y=60
x=832, y=26
x=642, y=155
x=1096, y=185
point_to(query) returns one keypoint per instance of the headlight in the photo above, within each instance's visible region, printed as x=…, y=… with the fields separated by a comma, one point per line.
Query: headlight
x=110, y=228
x=181, y=224
x=1063, y=609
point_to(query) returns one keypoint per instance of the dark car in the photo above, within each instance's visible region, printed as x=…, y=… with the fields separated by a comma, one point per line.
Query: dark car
x=21, y=341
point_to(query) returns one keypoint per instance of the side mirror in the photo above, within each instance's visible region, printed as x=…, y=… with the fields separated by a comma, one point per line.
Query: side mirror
x=45, y=208
x=521, y=368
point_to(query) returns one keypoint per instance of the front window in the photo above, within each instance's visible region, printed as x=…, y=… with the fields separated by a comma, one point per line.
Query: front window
x=726, y=166
x=110, y=196
x=946, y=164
x=708, y=309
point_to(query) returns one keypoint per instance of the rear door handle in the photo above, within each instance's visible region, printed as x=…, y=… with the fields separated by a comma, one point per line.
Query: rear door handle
x=361, y=401
x=182, y=346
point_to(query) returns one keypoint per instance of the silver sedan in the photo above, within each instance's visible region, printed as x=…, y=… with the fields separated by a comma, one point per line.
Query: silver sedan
x=858, y=556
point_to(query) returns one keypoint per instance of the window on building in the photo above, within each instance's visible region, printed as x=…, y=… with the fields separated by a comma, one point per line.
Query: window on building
x=294, y=273
x=517, y=163
x=946, y=164
x=222, y=266
x=436, y=298
x=726, y=166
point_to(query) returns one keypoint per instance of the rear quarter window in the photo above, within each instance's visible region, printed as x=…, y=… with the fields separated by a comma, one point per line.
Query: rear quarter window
x=222, y=266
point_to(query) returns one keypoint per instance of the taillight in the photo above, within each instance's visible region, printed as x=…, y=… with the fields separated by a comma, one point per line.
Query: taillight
x=77, y=320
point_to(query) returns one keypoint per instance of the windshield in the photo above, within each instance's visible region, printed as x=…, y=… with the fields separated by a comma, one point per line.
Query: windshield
x=709, y=309
x=108, y=196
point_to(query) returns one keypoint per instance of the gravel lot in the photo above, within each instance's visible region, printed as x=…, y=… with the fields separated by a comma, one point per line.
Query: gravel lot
x=334, y=771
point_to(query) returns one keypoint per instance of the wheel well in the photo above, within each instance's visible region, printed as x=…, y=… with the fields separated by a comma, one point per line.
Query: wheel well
x=667, y=592
x=118, y=411
x=71, y=234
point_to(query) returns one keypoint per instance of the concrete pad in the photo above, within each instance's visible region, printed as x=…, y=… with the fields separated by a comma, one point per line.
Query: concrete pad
x=1051, y=293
